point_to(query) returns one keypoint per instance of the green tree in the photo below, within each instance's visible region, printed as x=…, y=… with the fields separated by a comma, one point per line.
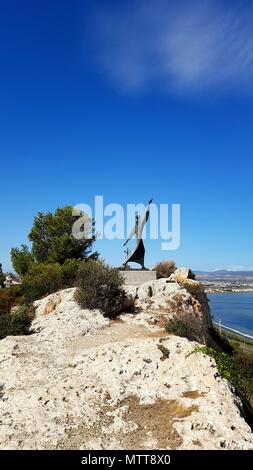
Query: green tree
x=69, y=271
x=52, y=239
x=41, y=280
x=22, y=260
x=53, y=242
x=2, y=277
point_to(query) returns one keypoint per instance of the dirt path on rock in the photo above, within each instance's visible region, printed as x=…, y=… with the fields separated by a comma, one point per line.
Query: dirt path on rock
x=116, y=331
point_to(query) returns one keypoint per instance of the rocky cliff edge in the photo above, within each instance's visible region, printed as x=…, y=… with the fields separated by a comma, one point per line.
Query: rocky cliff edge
x=81, y=381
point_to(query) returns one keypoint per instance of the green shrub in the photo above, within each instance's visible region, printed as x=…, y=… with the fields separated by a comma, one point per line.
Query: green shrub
x=177, y=327
x=69, y=271
x=42, y=279
x=222, y=342
x=165, y=269
x=9, y=298
x=236, y=368
x=193, y=287
x=101, y=287
x=45, y=278
x=17, y=322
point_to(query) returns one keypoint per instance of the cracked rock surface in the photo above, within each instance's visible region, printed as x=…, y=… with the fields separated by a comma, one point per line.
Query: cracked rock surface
x=81, y=381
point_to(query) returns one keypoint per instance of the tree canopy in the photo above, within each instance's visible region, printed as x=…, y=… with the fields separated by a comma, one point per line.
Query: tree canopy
x=52, y=240
x=22, y=259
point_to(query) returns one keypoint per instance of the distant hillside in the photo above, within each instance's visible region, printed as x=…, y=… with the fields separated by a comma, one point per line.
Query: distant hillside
x=224, y=275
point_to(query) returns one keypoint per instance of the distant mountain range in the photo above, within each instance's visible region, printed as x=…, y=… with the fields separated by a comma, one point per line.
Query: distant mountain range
x=224, y=275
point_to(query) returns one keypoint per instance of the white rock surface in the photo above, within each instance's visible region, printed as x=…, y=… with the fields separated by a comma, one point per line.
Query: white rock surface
x=58, y=317
x=180, y=273
x=173, y=300
x=83, y=382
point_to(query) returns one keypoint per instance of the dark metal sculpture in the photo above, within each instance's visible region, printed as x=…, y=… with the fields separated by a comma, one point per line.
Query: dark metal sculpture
x=137, y=255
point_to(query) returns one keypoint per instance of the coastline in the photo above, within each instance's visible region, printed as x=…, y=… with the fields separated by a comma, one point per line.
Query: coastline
x=226, y=287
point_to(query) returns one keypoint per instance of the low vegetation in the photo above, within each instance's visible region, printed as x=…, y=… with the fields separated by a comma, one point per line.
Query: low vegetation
x=17, y=322
x=101, y=287
x=41, y=280
x=178, y=327
x=193, y=287
x=57, y=260
x=165, y=269
x=45, y=278
x=9, y=298
x=233, y=364
x=236, y=367
x=55, y=255
x=69, y=271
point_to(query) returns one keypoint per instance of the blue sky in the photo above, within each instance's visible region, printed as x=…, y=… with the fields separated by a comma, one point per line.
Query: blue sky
x=130, y=100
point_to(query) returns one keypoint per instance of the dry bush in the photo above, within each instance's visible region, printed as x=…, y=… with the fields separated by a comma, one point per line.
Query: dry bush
x=101, y=287
x=17, y=322
x=165, y=268
x=178, y=328
x=9, y=298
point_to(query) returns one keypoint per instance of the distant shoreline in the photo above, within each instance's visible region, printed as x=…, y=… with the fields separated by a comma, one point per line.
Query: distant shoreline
x=226, y=287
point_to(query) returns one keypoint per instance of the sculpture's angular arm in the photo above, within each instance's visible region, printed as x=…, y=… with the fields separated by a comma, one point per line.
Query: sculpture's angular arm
x=130, y=236
x=144, y=220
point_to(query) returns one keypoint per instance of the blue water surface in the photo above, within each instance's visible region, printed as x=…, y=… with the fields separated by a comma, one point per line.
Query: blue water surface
x=234, y=310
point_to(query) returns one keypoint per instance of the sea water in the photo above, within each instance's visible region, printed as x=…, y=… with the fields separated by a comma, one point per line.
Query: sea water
x=233, y=309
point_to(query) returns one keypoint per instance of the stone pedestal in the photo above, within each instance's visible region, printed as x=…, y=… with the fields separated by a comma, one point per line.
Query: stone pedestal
x=138, y=276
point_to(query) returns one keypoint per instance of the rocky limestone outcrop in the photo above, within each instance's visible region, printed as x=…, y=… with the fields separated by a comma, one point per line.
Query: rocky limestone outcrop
x=180, y=274
x=81, y=381
x=184, y=300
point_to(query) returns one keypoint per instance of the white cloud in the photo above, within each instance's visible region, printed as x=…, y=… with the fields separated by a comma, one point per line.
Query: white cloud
x=184, y=45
